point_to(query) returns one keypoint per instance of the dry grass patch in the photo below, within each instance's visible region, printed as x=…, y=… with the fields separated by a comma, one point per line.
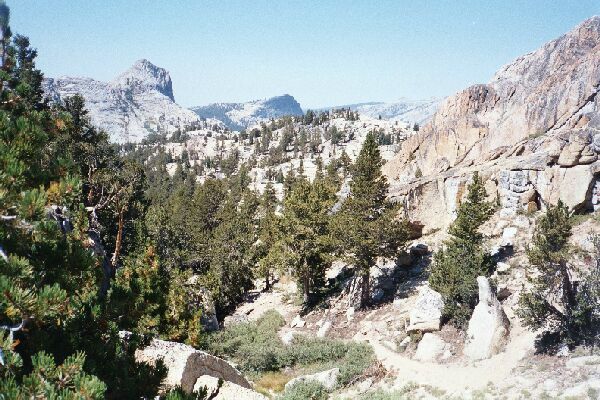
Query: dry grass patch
x=272, y=382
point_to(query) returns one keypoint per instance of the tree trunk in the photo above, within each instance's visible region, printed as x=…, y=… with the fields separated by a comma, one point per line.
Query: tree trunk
x=267, y=282
x=119, y=242
x=568, y=300
x=365, y=292
x=305, y=288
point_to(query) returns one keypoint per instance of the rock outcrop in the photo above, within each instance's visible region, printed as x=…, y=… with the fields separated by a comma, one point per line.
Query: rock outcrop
x=533, y=132
x=488, y=327
x=426, y=314
x=548, y=92
x=135, y=104
x=186, y=364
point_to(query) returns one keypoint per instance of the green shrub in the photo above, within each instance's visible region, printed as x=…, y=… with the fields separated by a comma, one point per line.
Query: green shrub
x=358, y=358
x=305, y=390
x=256, y=348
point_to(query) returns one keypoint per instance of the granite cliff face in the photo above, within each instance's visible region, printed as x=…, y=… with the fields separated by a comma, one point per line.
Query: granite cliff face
x=135, y=104
x=536, y=123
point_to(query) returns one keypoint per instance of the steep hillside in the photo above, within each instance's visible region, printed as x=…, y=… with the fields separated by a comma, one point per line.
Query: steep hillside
x=533, y=131
x=135, y=104
x=239, y=116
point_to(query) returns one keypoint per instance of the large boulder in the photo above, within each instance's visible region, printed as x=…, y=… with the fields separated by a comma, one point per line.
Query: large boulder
x=426, y=315
x=326, y=378
x=488, y=327
x=226, y=391
x=430, y=347
x=186, y=364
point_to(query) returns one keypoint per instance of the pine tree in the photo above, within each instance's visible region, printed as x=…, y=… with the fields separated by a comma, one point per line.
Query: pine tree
x=345, y=163
x=231, y=264
x=564, y=309
x=367, y=224
x=305, y=234
x=49, y=275
x=267, y=235
x=456, y=267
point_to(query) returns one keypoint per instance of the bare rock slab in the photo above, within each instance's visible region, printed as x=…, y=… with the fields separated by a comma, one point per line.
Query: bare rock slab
x=488, y=327
x=430, y=347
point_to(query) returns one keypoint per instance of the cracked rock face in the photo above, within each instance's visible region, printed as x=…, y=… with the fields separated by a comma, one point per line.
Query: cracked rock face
x=543, y=93
x=532, y=133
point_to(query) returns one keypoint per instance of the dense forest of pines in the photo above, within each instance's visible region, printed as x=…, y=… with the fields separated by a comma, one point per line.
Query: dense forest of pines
x=94, y=241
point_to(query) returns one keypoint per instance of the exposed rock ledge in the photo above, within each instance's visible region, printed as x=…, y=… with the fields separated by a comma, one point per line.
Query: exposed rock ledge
x=186, y=365
x=520, y=184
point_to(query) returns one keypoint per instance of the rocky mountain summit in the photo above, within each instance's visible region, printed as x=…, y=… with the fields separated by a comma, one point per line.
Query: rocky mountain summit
x=239, y=116
x=133, y=105
x=532, y=131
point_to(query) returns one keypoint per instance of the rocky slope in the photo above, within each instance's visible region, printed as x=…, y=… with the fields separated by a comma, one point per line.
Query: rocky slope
x=532, y=131
x=133, y=105
x=208, y=143
x=239, y=116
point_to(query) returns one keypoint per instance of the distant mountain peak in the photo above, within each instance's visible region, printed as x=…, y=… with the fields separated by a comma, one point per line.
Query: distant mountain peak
x=135, y=104
x=144, y=75
x=238, y=116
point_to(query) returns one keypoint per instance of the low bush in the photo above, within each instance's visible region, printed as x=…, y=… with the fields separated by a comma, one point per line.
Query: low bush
x=256, y=348
x=305, y=390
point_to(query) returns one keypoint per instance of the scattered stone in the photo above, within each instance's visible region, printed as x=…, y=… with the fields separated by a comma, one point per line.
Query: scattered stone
x=326, y=378
x=350, y=313
x=405, y=259
x=563, y=351
x=583, y=389
x=297, y=322
x=404, y=343
x=287, y=337
x=488, y=327
x=426, y=314
x=322, y=332
x=503, y=292
x=430, y=348
x=521, y=221
x=364, y=385
x=502, y=267
x=579, y=362
x=508, y=236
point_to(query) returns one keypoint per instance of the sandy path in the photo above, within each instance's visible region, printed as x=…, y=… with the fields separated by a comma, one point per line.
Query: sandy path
x=456, y=377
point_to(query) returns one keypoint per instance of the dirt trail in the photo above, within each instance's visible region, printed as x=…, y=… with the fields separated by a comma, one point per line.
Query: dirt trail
x=456, y=377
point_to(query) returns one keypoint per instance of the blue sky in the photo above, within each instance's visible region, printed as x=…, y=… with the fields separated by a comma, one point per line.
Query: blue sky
x=322, y=52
